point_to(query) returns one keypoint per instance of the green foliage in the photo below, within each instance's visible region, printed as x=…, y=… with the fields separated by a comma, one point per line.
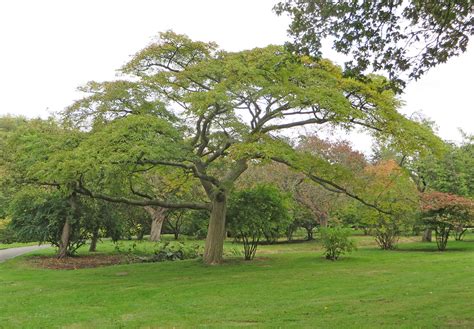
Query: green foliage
x=255, y=213
x=453, y=172
x=7, y=234
x=176, y=72
x=390, y=188
x=40, y=215
x=444, y=212
x=173, y=250
x=302, y=217
x=385, y=35
x=196, y=223
x=174, y=222
x=336, y=241
x=40, y=153
x=106, y=219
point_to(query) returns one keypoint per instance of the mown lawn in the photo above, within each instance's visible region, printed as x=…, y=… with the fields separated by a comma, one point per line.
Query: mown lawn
x=16, y=245
x=287, y=285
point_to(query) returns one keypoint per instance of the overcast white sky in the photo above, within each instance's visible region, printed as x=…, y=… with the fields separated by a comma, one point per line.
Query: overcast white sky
x=50, y=47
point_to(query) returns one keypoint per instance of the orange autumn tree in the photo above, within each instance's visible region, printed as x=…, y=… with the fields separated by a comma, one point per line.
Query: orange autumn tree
x=444, y=212
x=389, y=187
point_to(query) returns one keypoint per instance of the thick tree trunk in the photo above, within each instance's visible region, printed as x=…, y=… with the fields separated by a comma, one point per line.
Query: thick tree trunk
x=95, y=238
x=214, y=247
x=64, y=243
x=156, y=225
x=427, y=235
x=157, y=218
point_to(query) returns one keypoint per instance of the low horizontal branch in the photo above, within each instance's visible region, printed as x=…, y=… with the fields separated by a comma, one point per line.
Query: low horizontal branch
x=155, y=202
x=333, y=187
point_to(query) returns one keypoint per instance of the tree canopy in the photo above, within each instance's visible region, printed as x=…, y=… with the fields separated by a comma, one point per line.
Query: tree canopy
x=395, y=36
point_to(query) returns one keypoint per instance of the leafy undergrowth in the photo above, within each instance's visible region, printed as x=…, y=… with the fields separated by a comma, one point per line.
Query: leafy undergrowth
x=287, y=286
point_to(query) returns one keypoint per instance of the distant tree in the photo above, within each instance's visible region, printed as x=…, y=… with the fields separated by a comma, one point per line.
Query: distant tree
x=305, y=219
x=451, y=172
x=444, y=212
x=256, y=213
x=389, y=187
x=175, y=221
x=395, y=36
x=313, y=203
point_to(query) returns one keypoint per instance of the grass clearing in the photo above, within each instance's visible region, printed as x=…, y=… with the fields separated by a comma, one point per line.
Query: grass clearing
x=287, y=285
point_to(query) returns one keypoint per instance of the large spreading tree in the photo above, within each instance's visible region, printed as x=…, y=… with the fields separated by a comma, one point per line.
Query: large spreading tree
x=207, y=113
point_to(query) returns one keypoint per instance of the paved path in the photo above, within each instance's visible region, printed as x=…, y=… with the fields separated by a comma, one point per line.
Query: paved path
x=13, y=252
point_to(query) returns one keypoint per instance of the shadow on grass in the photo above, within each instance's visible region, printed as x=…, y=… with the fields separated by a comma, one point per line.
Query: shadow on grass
x=265, y=243
x=430, y=249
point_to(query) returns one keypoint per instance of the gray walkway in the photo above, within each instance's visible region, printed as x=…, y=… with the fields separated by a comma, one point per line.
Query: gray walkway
x=13, y=252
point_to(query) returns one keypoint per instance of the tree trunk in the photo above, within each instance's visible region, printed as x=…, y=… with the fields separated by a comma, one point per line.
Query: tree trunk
x=95, y=238
x=141, y=234
x=427, y=235
x=289, y=234
x=64, y=243
x=323, y=220
x=214, y=248
x=309, y=234
x=67, y=228
x=157, y=218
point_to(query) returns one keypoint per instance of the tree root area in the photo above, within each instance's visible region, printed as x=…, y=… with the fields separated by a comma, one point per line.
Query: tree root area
x=78, y=262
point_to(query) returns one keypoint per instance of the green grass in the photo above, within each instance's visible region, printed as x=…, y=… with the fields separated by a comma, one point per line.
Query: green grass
x=287, y=285
x=17, y=244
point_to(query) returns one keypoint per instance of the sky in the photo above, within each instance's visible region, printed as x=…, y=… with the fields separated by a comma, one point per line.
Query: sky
x=48, y=48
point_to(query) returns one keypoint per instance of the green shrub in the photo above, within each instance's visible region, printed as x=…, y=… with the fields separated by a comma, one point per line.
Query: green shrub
x=336, y=242
x=128, y=249
x=195, y=223
x=40, y=214
x=173, y=250
x=7, y=235
x=257, y=212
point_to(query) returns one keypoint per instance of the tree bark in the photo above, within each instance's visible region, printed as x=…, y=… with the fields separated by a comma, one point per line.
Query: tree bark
x=95, y=238
x=323, y=220
x=157, y=218
x=214, y=247
x=67, y=228
x=309, y=234
x=141, y=234
x=64, y=243
x=427, y=235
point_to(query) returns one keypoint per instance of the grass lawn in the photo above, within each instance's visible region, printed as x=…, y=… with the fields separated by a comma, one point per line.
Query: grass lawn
x=17, y=244
x=287, y=285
